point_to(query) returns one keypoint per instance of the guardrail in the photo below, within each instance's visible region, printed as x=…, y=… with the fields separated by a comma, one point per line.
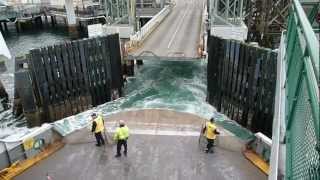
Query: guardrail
x=147, y=29
x=203, y=32
x=277, y=166
x=302, y=97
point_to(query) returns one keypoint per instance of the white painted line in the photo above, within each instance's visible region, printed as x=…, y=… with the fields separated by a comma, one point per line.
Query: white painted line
x=178, y=27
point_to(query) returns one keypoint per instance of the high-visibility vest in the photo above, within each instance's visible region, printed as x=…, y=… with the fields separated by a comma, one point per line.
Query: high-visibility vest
x=99, y=123
x=210, y=130
x=121, y=133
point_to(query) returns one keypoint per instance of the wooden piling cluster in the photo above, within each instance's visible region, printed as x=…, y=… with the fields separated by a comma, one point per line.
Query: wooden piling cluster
x=68, y=78
x=241, y=82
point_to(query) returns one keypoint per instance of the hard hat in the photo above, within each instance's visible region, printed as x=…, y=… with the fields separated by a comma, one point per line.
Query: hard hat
x=121, y=122
x=212, y=119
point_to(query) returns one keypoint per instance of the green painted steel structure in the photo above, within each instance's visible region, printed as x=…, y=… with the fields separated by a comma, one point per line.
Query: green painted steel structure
x=302, y=89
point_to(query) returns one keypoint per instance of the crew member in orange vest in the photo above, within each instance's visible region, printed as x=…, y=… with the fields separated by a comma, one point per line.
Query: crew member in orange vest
x=210, y=131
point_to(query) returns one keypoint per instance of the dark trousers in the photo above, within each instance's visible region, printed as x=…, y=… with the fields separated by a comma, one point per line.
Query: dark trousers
x=119, y=144
x=210, y=144
x=99, y=138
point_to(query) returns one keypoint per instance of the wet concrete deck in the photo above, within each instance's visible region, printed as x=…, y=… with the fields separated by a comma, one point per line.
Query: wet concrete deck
x=149, y=157
x=163, y=145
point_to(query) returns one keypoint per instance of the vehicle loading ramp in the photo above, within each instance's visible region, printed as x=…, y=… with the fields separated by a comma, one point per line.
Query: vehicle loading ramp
x=177, y=37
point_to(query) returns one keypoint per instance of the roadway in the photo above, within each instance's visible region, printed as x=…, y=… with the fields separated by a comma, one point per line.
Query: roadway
x=178, y=35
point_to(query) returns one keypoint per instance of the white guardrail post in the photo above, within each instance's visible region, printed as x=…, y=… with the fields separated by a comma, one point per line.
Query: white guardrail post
x=277, y=167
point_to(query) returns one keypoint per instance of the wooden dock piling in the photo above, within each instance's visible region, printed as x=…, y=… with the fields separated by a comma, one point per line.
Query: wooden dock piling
x=72, y=77
x=241, y=82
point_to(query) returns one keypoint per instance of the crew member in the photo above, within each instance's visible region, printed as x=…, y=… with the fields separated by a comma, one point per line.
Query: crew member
x=98, y=128
x=121, y=136
x=210, y=131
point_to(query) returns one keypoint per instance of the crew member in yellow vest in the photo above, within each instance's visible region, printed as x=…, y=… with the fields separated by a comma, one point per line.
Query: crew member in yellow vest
x=210, y=131
x=98, y=128
x=121, y=136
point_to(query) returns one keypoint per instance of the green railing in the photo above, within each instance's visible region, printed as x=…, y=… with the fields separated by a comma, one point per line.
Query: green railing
x=302, y=103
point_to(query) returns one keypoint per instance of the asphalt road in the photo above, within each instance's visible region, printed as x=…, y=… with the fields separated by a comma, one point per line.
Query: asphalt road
x=178, y=35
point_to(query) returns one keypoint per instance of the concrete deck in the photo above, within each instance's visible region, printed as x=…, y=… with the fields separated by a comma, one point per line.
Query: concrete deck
x=149, y=157
x=163, y=145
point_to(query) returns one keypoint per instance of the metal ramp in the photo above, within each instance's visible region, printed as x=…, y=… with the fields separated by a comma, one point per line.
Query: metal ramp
x=177, y=37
